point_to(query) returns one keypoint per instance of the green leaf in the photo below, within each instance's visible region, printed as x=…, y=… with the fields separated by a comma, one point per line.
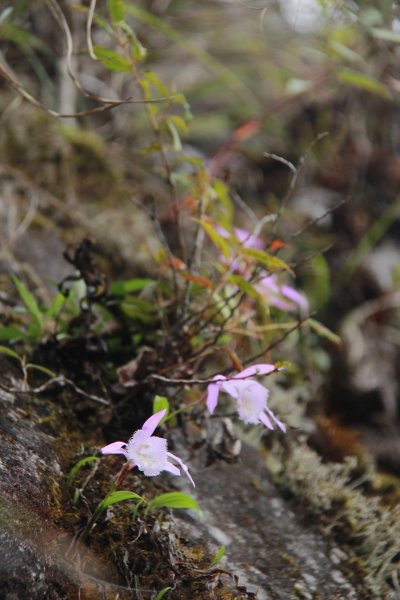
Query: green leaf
x=273, y=263
x=29, y=301
x=222, y=192
x=139, y=52
x=121, y=288
x=344, y=52
x=114, y=498
x=44, y=370
x=76, y=497
x=173, y=500
x=215, y=237
x=370, y=240
x=158, y=84
x=76, y=468
x=245, y=286
x=56, y=306
x=5, y=14
x=111, y=60
x=324, y=332
x=162, y=593
x=176, y=140
x=9, y=352
x=10, y=333
x=179, y=123
x=116, y=8
x=218, y=556
x=180, y=99
x=317, y=281
x=152, y=148
x=140, y=309
x=387, y=35
x=119, y=496
x=159, y=403
x=364, y=82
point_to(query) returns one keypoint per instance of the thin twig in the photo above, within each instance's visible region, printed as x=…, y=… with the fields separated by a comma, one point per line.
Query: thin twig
x=318, y=219
x=298, y=325
x=296, y=174
x=282, y=160
x=172, y=381
x=6, y=73
x=242, y=204
x=60, y=380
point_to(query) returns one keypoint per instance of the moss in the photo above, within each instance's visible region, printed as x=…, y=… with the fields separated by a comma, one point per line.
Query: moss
x=369, y=529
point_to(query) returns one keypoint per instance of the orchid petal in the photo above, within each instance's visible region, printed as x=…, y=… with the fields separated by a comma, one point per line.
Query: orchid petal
x=260, y=369
x=248, y=239
x=269, y=283
x=182, y=465
x=212, y=394
x=114, y=448
x=151, y=423
x=171, y=468
x=230, y=387
x=281, y=426
x=296, y=297
x=264, y=419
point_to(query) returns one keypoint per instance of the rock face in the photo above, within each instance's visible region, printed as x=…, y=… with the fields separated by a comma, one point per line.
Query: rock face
x=275, y=553
x=37, y=559
x=29, y=469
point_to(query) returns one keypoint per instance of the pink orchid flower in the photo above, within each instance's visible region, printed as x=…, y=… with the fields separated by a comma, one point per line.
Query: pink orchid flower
x=147, y=452
x=282, y=296
x=251, y=396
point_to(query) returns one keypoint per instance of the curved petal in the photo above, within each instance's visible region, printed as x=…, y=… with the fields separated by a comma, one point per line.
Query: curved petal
x=264, y=419
x=268, y=284
x=171, y=468
x=114, y=448
x=182, y=465
x=238, y=387
x=298, y=299
x=281, y=426
x=151, y=423
x=260, y=369
x=212, y=396
x=232, y=388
